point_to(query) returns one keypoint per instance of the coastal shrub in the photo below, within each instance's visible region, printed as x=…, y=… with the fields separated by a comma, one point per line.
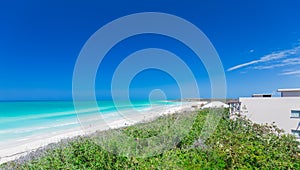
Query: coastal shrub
x=235, y=144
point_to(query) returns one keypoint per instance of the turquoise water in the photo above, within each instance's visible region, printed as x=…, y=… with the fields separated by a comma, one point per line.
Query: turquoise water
x=20, y=120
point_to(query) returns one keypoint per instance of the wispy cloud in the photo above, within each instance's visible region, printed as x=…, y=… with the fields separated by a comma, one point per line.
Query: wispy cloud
x=295, y=72
x=281, y=63
x=243, y=65
x=272, y=60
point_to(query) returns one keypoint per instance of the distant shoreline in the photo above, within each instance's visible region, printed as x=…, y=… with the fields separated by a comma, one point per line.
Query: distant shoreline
x=174, y=100
x=12, y=152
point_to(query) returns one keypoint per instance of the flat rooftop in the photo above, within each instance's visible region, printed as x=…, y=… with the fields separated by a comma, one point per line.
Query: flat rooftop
x=289, y=90
x=262, y=95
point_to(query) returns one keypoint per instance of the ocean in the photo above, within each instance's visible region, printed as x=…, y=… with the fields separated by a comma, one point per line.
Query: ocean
x=23, y=119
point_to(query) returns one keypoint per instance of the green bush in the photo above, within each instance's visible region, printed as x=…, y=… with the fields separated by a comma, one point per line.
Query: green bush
x=235, y=144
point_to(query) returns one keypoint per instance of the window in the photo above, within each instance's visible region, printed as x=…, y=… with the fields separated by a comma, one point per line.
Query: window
x=296, y=133
x=295, y=114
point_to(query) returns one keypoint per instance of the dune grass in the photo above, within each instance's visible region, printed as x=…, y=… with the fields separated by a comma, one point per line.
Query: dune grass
x=235, y=144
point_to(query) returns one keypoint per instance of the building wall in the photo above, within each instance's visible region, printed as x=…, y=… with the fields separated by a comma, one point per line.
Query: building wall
x=290, y=94
x=268, y=110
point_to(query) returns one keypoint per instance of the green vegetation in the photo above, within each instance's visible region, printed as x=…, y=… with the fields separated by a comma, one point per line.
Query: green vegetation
x=235, y=144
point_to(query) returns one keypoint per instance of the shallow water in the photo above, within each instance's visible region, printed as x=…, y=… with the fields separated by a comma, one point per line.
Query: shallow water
x=21, y=120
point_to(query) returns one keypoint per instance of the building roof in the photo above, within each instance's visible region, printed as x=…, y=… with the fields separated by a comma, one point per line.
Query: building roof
x=262, y=95
x=233, y=101
x=257, y=94
x=289, y=90
x=215, y=104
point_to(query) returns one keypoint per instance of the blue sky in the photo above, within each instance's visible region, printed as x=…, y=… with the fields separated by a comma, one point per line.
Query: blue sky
x=258, y=43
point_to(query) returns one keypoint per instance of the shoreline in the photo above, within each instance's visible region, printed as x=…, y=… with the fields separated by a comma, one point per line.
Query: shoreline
x=18, y=149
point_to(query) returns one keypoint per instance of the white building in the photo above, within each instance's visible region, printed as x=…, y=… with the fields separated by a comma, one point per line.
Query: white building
x=289, y=92
x=215, y=104
x=284, y=111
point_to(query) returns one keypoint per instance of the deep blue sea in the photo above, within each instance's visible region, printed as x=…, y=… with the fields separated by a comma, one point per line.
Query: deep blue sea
x=22, y=119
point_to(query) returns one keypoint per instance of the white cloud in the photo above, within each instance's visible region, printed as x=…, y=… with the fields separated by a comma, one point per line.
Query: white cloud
x=273, y=60
x=292, y=61
x=295, y=72
x=281, y=63
x=243, y=65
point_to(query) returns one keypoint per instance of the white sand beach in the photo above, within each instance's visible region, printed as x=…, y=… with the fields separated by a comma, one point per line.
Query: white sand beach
x=14, y=149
